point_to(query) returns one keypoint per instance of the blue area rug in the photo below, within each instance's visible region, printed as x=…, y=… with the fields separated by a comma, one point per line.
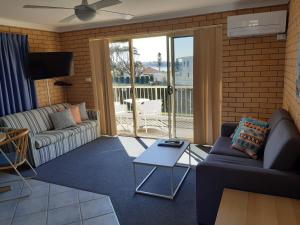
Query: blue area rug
x=103, y=166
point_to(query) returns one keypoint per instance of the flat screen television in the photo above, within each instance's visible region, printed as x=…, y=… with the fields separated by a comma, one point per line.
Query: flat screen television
x=44, y=65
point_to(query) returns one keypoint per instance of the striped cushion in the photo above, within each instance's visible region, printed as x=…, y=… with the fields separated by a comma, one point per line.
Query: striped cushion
x=36, y=120
x=86, y=124
x=52, y=136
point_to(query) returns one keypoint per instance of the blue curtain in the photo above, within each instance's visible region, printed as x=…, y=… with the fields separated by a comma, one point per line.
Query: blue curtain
x=17, y=91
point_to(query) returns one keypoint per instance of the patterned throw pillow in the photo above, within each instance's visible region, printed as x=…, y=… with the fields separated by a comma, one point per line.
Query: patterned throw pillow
x=251, y=139
x=253, y=121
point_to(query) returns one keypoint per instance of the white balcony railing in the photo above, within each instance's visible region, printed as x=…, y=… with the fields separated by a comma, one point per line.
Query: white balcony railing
x=183, y=96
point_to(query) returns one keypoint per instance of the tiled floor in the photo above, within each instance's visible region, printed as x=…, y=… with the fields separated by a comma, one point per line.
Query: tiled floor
x=51, y=204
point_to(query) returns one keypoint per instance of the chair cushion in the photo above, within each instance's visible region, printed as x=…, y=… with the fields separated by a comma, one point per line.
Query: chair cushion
x=62, y=119
x=52, y=136
x=283, y=146
x=223, y=147
x=233, y=160
x=86, y=124
x=3, y=160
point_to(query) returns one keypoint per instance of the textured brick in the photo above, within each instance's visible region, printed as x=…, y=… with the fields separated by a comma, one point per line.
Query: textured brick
x=290, y=101
x=245, y=62
x=253, y=68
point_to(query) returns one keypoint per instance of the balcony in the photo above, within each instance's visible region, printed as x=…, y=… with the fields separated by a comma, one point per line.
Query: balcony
x=181, y=122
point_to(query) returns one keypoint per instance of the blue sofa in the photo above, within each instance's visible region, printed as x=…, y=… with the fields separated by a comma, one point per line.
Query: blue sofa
x=47, y=143
x=276, y=173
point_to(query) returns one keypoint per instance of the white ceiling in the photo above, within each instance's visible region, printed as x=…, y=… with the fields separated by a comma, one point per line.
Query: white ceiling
x=12, y=13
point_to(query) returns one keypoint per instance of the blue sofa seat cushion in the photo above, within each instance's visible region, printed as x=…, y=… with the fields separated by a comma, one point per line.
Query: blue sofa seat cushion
x=223, y=147
x=282, y=149
x=225, y=159
x=52, y=136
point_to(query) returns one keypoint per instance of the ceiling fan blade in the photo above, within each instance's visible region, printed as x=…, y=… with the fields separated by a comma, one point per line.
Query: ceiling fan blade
x=123, y=16
x=43, y=7
x=68, y=19
x=104, y=3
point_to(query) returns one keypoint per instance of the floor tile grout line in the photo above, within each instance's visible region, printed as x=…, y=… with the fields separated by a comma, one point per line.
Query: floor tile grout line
x=112, y=212
x=18, y=200
x=48, y=199
x=105, y=196
x=100, y=196
x=54, y=194
x=112, y=206
x=71, y=188
x=80, y=212
x=92, y=217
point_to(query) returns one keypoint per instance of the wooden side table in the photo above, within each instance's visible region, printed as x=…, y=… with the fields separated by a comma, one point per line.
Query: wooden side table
x=246, y=208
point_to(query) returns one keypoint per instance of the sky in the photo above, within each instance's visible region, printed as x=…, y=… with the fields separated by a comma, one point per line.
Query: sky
x=148, y=48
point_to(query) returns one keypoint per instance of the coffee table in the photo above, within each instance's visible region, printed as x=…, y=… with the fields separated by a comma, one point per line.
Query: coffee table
x=167, y=157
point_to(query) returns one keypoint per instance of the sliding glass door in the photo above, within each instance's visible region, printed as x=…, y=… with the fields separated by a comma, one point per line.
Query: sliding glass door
x=151, y=82
x=153, y=86
x=122, y=79
x=182, y=77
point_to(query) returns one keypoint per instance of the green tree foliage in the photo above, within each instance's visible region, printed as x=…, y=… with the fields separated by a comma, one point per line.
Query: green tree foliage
x=120, y=61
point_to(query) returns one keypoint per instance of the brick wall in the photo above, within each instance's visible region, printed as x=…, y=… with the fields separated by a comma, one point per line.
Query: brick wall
x=291, y=102
x=40, y=41
x=252, y=67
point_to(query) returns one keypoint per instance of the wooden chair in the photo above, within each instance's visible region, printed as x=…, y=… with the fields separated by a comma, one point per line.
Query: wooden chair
x=14, y=153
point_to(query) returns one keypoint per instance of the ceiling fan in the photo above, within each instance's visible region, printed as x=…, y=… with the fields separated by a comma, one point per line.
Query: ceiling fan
x=86, y=11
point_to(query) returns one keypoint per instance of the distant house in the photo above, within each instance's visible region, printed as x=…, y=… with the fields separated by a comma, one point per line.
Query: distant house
x=149, y=70
x=158, y=77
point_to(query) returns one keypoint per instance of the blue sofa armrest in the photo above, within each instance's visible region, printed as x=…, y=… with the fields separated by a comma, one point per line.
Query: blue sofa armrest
x=228, y=128
x=212, y=178
x=93, y=114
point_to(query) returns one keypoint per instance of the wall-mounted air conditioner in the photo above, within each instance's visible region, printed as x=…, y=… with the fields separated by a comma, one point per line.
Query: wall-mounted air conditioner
x=257, y=24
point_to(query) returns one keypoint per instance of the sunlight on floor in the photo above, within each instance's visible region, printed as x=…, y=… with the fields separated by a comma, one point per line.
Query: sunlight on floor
x=132, y=146
x=135, y=149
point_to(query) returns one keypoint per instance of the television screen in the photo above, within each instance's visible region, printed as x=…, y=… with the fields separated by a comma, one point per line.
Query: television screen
x=44, y=65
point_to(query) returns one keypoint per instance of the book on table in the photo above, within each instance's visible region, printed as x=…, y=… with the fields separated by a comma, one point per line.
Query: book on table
x=170, y=143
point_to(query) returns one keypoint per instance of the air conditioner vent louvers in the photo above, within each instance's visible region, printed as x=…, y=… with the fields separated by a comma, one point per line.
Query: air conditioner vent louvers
x=257, y=24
